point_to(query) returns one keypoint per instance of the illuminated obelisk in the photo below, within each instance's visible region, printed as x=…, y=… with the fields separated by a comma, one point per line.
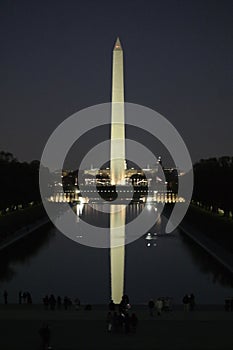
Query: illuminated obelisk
x=117, y=163
x=117, y=173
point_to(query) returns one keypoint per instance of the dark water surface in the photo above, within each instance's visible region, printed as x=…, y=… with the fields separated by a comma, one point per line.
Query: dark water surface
x=172, y=265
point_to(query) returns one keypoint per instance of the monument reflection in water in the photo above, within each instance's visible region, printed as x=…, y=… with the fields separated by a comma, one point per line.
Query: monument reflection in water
x=116, y=220
x=117, y=250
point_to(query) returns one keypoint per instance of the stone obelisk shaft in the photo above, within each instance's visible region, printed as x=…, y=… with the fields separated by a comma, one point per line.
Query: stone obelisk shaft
x=117, y=173
x=117, y=161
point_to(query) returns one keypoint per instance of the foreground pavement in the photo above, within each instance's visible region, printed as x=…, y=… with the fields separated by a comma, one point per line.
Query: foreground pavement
x=205, y=328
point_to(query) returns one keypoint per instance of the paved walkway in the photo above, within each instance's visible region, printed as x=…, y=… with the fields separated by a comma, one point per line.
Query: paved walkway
x=201, y=329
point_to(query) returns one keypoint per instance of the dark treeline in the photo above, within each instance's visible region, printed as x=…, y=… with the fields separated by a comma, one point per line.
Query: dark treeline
x=19, y=182
x=213, y=179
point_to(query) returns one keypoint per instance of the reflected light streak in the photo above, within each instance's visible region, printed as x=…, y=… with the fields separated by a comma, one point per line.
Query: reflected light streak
x=79, y=210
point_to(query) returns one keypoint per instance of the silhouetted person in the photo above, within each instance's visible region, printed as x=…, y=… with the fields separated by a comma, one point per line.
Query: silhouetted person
x=5, y=295
x=66, y=302
x=69, y=302
x=186, y=303
x=121, y=320
x=109, y=321
x=227, y=304
x=52, y=302
x=111, y=305
x=46, y=302
x=115, y=322
x=192, y=301
x=121, y=307
x=45, y=334
x=127, y=323
x=167, y=304
x=159, y=306
x=24, y=297
x=125, y=299
x=231, y=304
x=58, y=302
x=29, y=298
x=77, y=303
x=88, y=307
x=151, y=306
x=20, y=297
x=134, y=322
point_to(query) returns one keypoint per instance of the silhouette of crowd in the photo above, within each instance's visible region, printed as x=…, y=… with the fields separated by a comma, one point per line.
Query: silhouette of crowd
x=52, y=303
x=24, y=297
x=119, y=317
x=159, y=305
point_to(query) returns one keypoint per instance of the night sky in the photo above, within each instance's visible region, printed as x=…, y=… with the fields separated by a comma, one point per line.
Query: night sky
x=56, y=59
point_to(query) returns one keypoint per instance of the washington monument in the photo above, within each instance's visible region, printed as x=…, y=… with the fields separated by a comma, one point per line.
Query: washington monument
x=117, y=174
x=117, y=160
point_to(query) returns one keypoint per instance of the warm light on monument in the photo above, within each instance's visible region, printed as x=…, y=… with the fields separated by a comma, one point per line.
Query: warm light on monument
x=117, y=161
x=117, y=174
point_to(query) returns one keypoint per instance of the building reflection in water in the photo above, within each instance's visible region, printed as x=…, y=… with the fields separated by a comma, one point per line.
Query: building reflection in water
x=152, y=237
x=79, y=210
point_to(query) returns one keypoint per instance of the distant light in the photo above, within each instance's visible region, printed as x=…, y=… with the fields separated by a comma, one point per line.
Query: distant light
x=148, y=236
x=149, y=207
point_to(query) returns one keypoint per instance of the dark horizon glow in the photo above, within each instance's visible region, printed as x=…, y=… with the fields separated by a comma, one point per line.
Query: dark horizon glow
x=56, y=60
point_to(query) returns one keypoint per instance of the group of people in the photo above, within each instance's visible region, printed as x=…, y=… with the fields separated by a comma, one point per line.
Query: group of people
x=24, y=297
x=121, y=320
x=50, y=302
x=159, y=305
